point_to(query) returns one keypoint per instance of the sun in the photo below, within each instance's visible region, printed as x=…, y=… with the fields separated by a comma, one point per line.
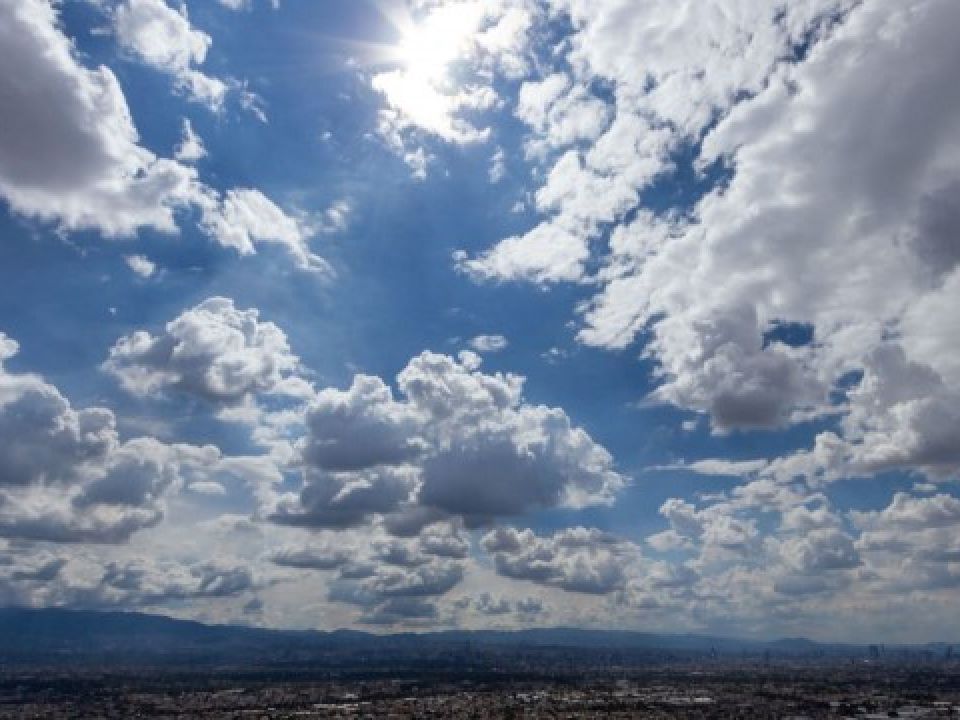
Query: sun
x=428, y=47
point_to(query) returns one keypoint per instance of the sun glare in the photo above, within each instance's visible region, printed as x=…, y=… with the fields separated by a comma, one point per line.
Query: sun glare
x=429, y=47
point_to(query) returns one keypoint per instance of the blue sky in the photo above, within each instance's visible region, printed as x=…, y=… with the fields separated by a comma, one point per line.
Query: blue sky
x=483, y=313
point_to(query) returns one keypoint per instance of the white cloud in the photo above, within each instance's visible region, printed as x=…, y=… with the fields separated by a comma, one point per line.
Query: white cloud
x=577, y=559
x=716, y=466
x=66, y=477
x=821, y=224
x=489, y=343
x=69, y=150
x=75, y=160
x=191, y=148
x=163, y=38
x=246, y=217
x=214, y=351
x=498, y=166
x=360, y=428
x=141, y=265
x=458, y=443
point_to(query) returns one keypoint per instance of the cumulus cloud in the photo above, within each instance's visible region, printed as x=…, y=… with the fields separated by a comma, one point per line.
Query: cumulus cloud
x=163, y=38
x=69, y=152
x=213, y=351
x=65, y=476
x=245, y=217
x=360, y=427
x=147, y=582
x=814, y=224
x=760, y=135
x=458, y=442
x=310, y=557
x=141, y=265
x=578, y=559
x=390, y=592
x=341, y=500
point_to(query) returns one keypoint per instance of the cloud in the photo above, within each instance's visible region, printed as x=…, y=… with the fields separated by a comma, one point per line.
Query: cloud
x=819, y=550
x=908, y=513
x=727, y=467
x=443, y=70
x=71, y=155
x=360, y=428
x=164, y=39
x=69, y=151
x=313, y=558
x=443, y=540
x=812, y=222
x=66, y=477
x=903, y=415
x=213, y=351
x=390, y=593
x=489, y=343
x=191, y=147
x=141, y=265
x=245, y=217
x=342, y=500
x=146, y=582
x=458, y=442
x=759, y=135
x=578, y=559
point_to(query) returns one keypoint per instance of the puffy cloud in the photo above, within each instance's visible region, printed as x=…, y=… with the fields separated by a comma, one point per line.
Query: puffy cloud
x=163, y=38
x=341, y=500
x=435, y=578
x=443, y=540
x=908, y=513
x=576, y=560
x=489, y=343
x=816, y=193
x=66, y=477
x=141, y=265
x=360, y=427
x=560, y=113
x=391, y=592
x=147, y=582
x=902, y=414
x=726, y=372
x=213, y=351
x=697, y=62
x=815, y=224
x=69, y=151
x=727, y=467
x=721, y=531
x=245, y=217
x=458, y=442
x=396, y=610
x=911, y=545
x=821, y=549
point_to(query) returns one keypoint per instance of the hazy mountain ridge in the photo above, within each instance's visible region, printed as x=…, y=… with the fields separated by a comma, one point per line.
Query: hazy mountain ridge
x=51, y=634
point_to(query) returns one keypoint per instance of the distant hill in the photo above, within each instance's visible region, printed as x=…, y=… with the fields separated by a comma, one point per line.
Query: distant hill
x=56, y=636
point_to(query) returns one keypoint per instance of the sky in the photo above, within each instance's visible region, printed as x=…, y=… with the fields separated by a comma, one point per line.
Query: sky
x=429, y=314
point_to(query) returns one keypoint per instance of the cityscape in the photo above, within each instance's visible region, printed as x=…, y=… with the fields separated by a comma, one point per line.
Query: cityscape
x=479, y=359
